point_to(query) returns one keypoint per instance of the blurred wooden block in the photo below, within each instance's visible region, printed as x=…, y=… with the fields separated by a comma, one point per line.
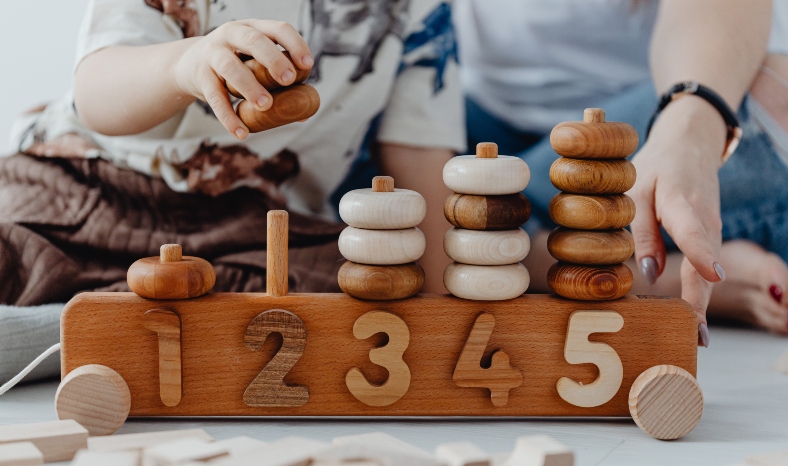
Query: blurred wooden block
x=593, y=176
x=382, y=247
x=171, y=276
x=486, y=173
x=486, y=247
x=591, y=247
x=462, y=454
x=781, y=364
x=540, y=450
x=181, y=451
x=291, y=104
x=289, y=451
x=96, y=397
x=115, y=458
x=666, y=401
x=592, y=212
x=166, y=323
x=264, y=77
x=593, y=138
x=56, y=440
x=143, y=440
x=385, y=441
x=239, y=445
x=380, y=282
x=777, y=458
x=505, y=212
x=590, y=283
x=20, y=454
x=486, y=282
x=382, y=210
x=369, y=454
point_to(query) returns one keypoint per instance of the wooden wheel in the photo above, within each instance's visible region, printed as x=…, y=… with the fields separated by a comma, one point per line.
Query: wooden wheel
x=96, y=397
x=666, y=402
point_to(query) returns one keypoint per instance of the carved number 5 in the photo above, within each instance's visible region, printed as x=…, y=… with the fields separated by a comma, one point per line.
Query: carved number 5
x=269, y=388
x=578, y=350
x=389, y=356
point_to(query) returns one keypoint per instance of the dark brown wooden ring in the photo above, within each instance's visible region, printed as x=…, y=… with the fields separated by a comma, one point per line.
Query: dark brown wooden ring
x=589, y=283
x=473, y=212
x=291, y=104
x=592, y=212
x=380, y=282
x=591, y=247
x=592, y=176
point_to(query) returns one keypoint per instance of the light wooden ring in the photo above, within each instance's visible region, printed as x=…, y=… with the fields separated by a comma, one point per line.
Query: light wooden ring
x=382, y=247
x=590, y=283
x=380, y=283
x=486, y=282
x=468, y=174
x=593, y=176
x=591, y=247
x=95, y=396
x=363, y=208
x=505, y=212
x=592, y=212
x=486, y=247
x=666, y=402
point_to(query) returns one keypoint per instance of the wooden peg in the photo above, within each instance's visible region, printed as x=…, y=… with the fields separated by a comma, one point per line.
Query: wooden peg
x=487, y=150
x=487, y=212
x=96, y=397
x=590, y=283
x=593, y=176
x=666, y=402
x=379, y=210
x=291, y=104
x=382, y=247
x=381, y=283
x=486, y=282
x=593, y=138
x=486, y=247
x=592, y=212
x=171, y=275
x=467, y=174
x=276, y=273
x=591, y=247
x=264, y=77
x=20, y=454
x=382, y=184
x=167, y=325
x=56, y=440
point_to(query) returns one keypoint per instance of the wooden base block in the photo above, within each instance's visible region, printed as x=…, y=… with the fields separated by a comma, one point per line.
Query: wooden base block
x=666, y=402
x=380, y=282
x=96, y=397
x=592, y=283
x=591, y=247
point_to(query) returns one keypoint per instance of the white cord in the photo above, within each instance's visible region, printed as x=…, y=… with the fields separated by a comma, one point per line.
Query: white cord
x=10, y=384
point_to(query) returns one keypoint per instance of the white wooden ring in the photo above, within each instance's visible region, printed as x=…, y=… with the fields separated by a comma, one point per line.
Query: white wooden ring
x=467, y=174
x=486, y=282
x=486, y=247
x=363, y=208
x=382, y=247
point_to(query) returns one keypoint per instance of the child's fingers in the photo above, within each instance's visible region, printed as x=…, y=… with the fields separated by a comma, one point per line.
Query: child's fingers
x=288, y=37
x=234, y=72
x=257, y=44
x=216, y=96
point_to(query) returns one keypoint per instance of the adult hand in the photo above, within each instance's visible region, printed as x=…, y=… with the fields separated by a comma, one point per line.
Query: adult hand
x=678, y=188
x=212, y=60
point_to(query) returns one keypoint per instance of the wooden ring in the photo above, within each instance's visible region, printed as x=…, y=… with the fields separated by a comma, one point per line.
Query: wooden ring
x=593, y=176
x=363, y=208
x=468, y=174
x=591, y=247
x=486, y=282
x=487, y=212
x=592, y=138
x=382, y=247
x=587, y=283
x=666, y=402
x=165, y=277
x=95, y=396
x=291, y=104
x=264, y=77
x=486, y=247
x=592, y=212
x=380, y=283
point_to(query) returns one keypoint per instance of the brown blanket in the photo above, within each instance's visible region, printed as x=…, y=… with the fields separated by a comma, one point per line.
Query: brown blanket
x=72, y=225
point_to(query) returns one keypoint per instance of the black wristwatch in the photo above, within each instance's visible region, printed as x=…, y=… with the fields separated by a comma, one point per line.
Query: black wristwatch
x=695, y=88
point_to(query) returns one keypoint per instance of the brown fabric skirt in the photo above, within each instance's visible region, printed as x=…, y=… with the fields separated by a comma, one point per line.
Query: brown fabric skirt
x=73, y=225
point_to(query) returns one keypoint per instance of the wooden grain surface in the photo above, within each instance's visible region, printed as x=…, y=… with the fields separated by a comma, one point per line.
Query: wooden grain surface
x=592, y=176
x=593, y=282
x=382, y=247
x=486, y=282
x=585, y=212
x=594, y=139
x=291, y=104
x=264, y=77
x=186, y=278
x=277, y=242
x=107, y=329
x=591, y=247
x=371, y=210
x=380, y=282
x=666, y=401
x=486, y=247
x=96, y=397
x=487, y=212
x=468, y=174
x=167, y=325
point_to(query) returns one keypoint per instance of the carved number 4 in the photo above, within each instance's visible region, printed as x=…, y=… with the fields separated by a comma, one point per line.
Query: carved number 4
x=269, y=388
x=500, y=377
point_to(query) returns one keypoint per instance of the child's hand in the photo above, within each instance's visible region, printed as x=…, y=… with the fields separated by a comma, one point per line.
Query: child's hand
x=212, y=60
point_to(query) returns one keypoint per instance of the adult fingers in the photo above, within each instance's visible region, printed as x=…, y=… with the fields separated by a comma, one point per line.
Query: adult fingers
x=649, y=246
x=216, y=96
x=697, y=292
x=230, y=68
x=693, y=239
x=288, y=37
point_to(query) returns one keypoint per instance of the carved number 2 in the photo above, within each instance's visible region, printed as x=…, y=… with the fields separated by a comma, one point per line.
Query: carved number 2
x=269, y=388
x=578, y=350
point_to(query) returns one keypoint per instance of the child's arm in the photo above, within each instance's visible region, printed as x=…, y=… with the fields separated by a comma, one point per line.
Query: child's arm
x=127, y=90
x=421, y=169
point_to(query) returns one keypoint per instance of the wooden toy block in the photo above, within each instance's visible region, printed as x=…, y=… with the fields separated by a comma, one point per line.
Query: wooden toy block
x=181, y=451
x=666, y=401
x=380, y=283
x=115, y=458
x=264, y=77
x=486, y=173
x=486, y=247
x=218, y=366
x=20, y=454
x=462, y=454
x=592, y=212
x=369, y=454
x=781, y=364
x=167, y=325
x=56, y=440
x=239, y=445
x=276, y=277
x=540, y=450
x=289, y=451
x=592, y=176
x=382, y=207
x=505, y=212
x=96, y=397
x=593, y=138
x=382, y=247
x=591, y=247
x=778, y=458
x=290, y=104
x=141, y=441
x=592, y=283
x=384, y=441
x=171, y=276
x=486, y=282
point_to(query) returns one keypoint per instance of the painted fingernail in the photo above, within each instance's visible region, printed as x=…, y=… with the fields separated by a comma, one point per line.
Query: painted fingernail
x=288, y=76
x=262, y=102
x=307, y=60
x=720, y=271
x=703, y=335
x=777, y=293
x=648, y=268
x=239, y=133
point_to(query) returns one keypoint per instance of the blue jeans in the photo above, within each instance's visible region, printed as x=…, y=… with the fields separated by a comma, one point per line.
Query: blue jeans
x=753, y=183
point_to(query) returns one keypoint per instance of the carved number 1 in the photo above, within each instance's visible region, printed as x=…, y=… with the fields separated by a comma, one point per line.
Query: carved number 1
x=268, y=388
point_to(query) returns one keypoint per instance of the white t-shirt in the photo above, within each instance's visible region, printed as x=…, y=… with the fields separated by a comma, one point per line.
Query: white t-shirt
x=535, y=63
x=410, y=79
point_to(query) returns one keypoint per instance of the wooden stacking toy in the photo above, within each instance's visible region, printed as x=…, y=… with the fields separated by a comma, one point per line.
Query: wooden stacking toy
x=382, y=243
x=487, y=210
x=592, y=210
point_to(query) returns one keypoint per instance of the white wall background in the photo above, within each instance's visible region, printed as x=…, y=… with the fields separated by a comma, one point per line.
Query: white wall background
x=37, y=42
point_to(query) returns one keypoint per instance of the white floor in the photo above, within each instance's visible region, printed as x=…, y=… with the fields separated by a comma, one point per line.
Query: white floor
x=746, y=412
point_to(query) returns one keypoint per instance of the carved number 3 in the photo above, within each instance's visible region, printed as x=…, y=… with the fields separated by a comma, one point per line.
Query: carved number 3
x=269, y=388
x=389, y=356
x=578, y=350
